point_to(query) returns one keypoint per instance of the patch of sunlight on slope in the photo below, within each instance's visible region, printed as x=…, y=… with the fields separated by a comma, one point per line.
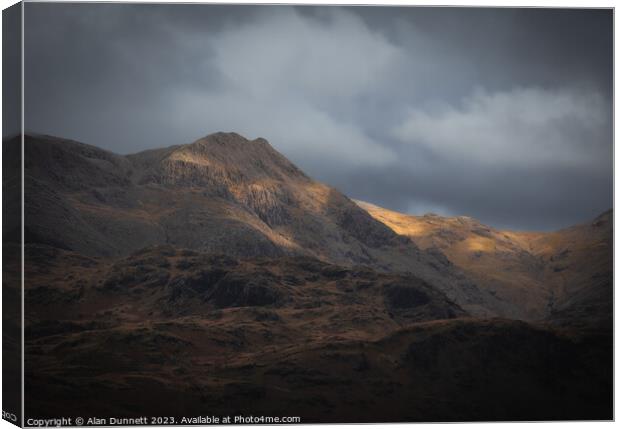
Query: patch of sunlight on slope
x=480, y=244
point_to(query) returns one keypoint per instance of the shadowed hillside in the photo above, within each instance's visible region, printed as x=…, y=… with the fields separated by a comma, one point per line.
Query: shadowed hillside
x=181, y=331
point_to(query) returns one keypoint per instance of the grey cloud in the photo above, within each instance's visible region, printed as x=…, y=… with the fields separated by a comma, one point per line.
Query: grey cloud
x=526, y=127
x=286, y=80
x=501, y=114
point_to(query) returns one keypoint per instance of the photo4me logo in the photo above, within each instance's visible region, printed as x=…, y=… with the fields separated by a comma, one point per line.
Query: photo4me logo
x=9, y=416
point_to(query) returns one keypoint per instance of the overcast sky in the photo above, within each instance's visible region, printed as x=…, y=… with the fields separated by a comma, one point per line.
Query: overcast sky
x=504, y=115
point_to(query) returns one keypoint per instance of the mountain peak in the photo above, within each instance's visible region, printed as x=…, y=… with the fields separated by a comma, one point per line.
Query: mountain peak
x=221, y=159
x=222, y=137
x=230, y=139
x=234, y=154
x=232, y=146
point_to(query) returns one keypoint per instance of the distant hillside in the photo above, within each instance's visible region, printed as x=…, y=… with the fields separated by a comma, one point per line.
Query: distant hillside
x=548, y=275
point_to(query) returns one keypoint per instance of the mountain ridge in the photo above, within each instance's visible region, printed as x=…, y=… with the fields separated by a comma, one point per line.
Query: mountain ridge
x=226, y=194
x=222, y=194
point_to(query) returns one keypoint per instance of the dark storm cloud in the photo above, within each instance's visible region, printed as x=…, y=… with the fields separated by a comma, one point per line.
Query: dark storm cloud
x=501, y=114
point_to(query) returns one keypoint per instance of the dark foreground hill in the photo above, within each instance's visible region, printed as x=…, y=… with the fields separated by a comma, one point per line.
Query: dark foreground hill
x=176, y=332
